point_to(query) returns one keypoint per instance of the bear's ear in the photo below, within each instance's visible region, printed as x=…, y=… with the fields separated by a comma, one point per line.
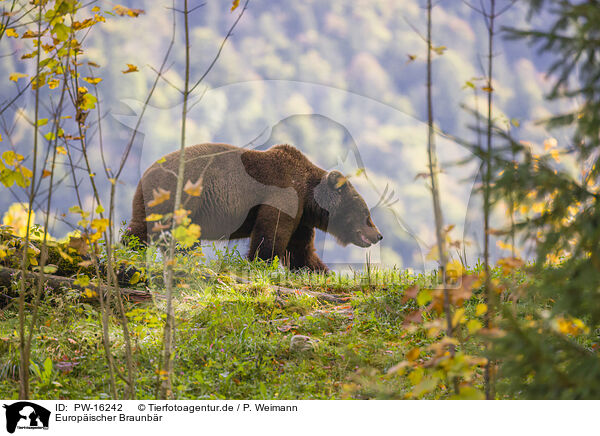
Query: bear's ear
x=336, y=180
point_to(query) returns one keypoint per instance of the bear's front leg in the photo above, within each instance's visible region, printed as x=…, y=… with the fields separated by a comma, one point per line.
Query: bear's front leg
x=271, y=233
x=302, y=252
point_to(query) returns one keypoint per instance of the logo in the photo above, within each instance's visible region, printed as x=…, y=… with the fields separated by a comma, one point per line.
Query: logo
x=26, y=415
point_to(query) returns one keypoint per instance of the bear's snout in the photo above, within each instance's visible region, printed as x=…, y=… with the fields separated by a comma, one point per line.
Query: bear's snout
x=368, y=237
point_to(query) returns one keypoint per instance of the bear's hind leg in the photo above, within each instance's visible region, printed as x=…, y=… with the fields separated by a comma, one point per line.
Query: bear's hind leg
x=302, y=252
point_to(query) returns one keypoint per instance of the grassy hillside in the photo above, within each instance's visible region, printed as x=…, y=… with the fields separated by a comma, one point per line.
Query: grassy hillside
x=244, y=330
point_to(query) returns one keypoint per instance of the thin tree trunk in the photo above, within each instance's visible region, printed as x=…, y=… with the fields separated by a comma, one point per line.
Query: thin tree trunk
x=488, y=376
x=23, y=349
x=435, y=193
x=165, y=390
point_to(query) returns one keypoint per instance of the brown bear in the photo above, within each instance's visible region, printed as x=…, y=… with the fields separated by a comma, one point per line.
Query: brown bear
x=275, y=197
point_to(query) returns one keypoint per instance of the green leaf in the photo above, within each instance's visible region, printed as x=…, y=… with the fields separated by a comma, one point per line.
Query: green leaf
x=135, y=278
x=47, y=366
x=50, y=136
x=474, y=325
x=88, y=101
x=424, y=297
x=7, y=177
x=61, y=31
x=50, y=269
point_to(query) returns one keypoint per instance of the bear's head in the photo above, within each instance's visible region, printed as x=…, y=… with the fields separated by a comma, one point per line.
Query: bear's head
x=348, y=218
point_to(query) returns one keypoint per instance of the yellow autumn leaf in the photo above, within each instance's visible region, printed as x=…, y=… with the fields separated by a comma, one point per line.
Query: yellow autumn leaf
x=234, y=5
x=550, y=143
x=11, y=33
x=506, y=246
x=159, y=196
x=181, y=217
x=130, y=69
x=509, y=264
x=25, y=171
x=46, y=173
x=11, y=158
x=99, y=224
x=480, y=309
x=53, y=83
x=93, y=80
x=187, y=236
x=161, y=160
x=61, y=150
x=474, y=325
x=538, y=207
x=16, y=76
x=154, y=217
x=570, y=326
x=440, y=50
x=487, y=89
x=413, y=354
x=123, y=10
x=454, y=270
x=135, y=278
x=458, y=317
x=193, y=189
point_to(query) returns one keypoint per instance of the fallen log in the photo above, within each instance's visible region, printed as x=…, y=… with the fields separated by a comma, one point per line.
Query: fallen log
x=7, y=275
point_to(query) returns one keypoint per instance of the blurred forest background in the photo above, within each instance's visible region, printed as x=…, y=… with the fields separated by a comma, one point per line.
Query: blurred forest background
x=342, y=81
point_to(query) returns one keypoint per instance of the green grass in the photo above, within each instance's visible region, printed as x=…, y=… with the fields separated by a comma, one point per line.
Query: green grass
x=233, y=339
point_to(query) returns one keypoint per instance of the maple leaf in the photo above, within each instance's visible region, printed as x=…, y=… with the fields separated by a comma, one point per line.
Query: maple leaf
x=123, y=10
x=193, y=189
x=413, y=317
x=16, y=76
x=159, y=196
x=187, y=236
x=410, y=293
x=157, y=227
x=79, y=244
x=440, y=50
x=413, y=354
x=181, y=217
x=154, y=217
x=130, y=69
x=93, y=80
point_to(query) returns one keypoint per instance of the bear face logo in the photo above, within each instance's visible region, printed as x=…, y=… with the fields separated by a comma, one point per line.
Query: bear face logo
x=25, y=414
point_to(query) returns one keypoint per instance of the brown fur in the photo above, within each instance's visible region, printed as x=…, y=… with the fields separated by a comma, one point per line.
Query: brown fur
x=276, y=197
